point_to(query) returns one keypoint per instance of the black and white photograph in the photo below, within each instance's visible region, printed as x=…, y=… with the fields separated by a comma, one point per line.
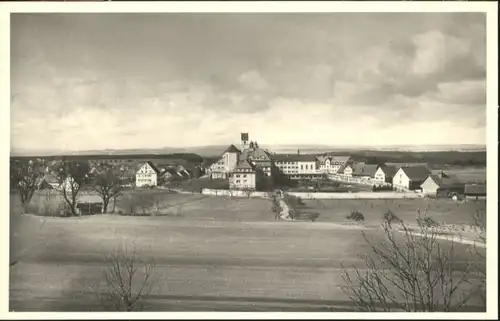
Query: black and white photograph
x=255, y=162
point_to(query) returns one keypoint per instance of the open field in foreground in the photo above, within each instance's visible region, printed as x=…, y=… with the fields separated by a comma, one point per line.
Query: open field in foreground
x=225, y=208
x=218, y=254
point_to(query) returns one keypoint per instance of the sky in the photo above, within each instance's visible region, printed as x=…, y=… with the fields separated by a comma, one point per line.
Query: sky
x=85, y=81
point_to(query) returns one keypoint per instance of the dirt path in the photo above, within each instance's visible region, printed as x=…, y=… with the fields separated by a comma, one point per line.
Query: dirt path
x=285, y=211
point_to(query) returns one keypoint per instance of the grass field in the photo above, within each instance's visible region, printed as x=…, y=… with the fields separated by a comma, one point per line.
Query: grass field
x=215, y=253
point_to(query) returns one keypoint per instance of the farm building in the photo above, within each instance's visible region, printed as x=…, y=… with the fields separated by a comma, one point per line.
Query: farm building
x=475, y=191
x=384, y=173
x=147, y=175
x=410, y=178
x=366, y=171
x=442, y=185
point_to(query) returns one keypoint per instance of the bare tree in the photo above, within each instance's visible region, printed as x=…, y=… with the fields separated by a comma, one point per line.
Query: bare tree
x=415, y=274
x=106, y=183
x=127, y=280
x=480, y=224
x=26, y=176
x=72, y=175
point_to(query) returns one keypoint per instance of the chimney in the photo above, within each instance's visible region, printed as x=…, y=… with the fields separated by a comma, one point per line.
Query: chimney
x=298, y=151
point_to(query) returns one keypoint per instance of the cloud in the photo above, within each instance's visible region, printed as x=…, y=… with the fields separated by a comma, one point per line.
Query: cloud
x=286, y=79
x=253, y=81
x=434, y=51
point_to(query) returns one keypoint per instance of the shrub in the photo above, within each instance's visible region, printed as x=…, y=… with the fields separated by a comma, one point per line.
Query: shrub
x=390, y=217
x=422, y=275
x=427, y=221
x=356, y=216
x=46, y=204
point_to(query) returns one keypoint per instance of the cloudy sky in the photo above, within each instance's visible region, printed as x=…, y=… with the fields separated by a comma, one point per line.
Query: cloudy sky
x=95, y=81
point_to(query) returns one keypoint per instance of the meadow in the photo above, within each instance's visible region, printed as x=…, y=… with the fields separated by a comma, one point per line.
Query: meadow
x=212, y=253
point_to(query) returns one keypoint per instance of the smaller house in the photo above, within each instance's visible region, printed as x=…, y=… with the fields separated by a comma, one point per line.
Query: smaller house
x=475, y=191
x=366, y=171
x=384, y=173
x=410, y=178
x=442, y=185
x=49, y=181
x=346, y=170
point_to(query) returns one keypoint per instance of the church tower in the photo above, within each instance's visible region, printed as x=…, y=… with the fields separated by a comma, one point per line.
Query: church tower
x=244, y=141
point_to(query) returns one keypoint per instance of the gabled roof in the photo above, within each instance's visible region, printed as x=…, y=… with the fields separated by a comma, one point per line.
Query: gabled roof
x=150, y=163
x=364, y=170
x=342, y=168
x=256, y=154
x=231, y=149
x=475, y=189
x=389, y=171
x=294, y=158
x=446, y=181
x=416, y=173
x=244, y=165
x=322, y=159
x=340, y=159
x=170, y=170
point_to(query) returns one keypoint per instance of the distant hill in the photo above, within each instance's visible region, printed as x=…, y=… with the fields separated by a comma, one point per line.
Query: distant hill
x=215, y=150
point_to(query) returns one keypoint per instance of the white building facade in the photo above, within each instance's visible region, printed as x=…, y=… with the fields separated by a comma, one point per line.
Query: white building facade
x=244, y=176
x=147, y=175
x=226, y=163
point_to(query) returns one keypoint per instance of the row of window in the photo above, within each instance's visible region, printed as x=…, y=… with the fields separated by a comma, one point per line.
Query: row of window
x=238, y=175
x=144, y=175
x=141, y=180
x=285, y=163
